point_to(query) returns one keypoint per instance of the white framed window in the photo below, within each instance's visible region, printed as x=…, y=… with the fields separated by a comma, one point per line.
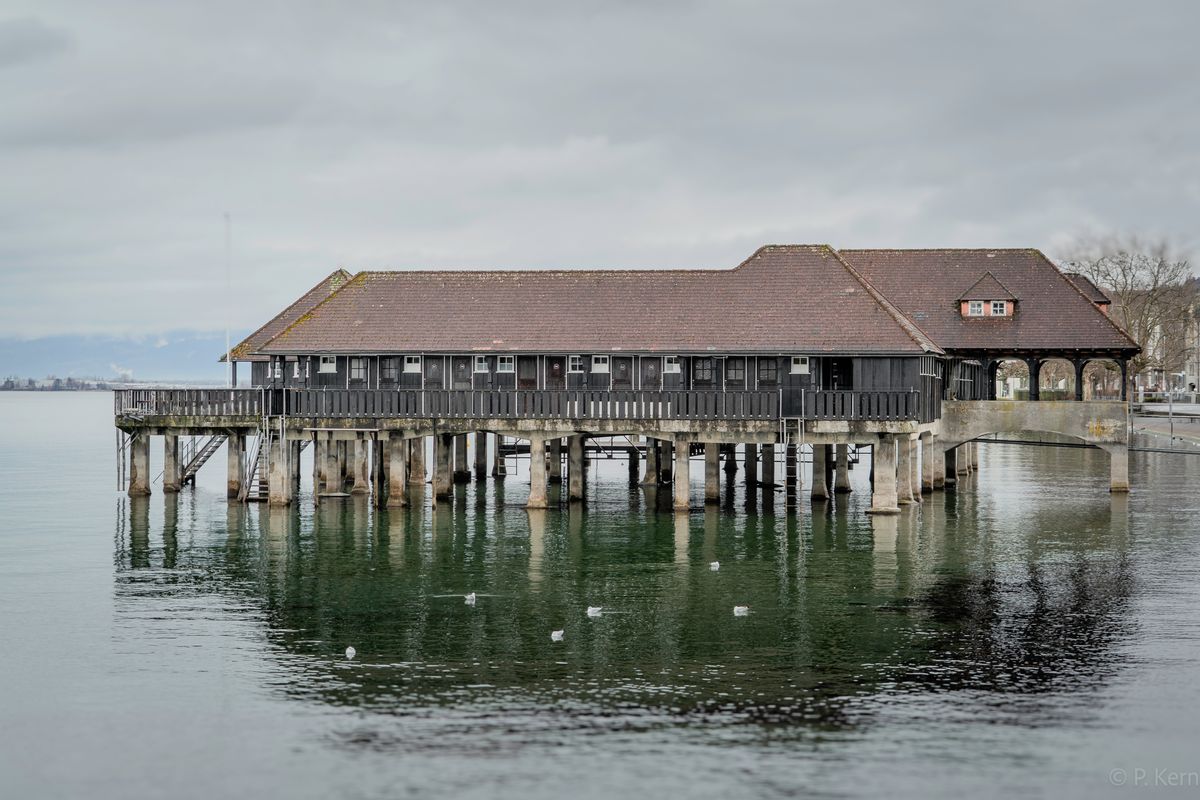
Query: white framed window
x=575, y=364
x=328, y=364
x=974, y=308
x=799, y=365
x=358, y=369
x=671, y=365
x=412, y=364
x=506, y=364
x=307, y=367
x=999, y=308
x=296, y=370
x=599, y=363
x=278, y=370
x=481, y=364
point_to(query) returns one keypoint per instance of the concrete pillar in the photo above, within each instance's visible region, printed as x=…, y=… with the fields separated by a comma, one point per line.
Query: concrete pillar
x=139, y=465
x=841, y=480
x=480, y=455
x=634, y=474
x=416, y=460
x=396, y=451
x=1118, y=469
x=751, y=464
x=462, y=470
x=731, y=458
x=331, y=468
x=295, y=464
x=666, y=450
x=904, y=472
x=555, y=473
x=358, y=466
x=499, y=467
x=768, y=465
x=235, y=447
x=951, y=460
x=964, y=459
x=883, y=468
x=575, y=467
x=820, y=489
x=975, y=456
x=712, y=478
x=683, y=488
x=279, y=473
x=651, y=476
x=443, y=465
x=537, y=474
x=172, y=469
x=938, y=456
x=926, y=465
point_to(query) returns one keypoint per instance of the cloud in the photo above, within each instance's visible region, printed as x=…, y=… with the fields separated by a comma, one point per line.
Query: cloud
x=27, y=39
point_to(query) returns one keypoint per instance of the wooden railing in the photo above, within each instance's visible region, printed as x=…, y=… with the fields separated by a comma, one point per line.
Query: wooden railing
x=642, y=404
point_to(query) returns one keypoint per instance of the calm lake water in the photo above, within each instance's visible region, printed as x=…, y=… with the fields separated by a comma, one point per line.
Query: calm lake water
x=1023, y=635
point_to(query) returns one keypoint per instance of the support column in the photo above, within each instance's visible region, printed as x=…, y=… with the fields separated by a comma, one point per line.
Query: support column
x=712, y=469
x=537, y=474
x=172, y=471
x=279, y=473
x=1035, y=378
x=416, y=460
x=443, y=465
x=235, y=446
x=651, y=476
x=666, y=449
x=975, y=456
x=343, y=472
x=751, y=464
x=768, y=465
x=841, y=480
x=962, y=459
x=1079, y=364
x=951, y=460
x=634, y=474
x=575, y=467
x=396, y=452
x=1118, y=469
x=139, y=465
x=683, y=488
x=883, y=468
x=926, y=465
x=938, y=457
x=462, y=472
x=358, y=466
x=820, y=489
x=904, y=471
x=480, y=455
x=731, y=458
x=555, y=474
x=499, y=466
x=331, y=468
x=295, y=464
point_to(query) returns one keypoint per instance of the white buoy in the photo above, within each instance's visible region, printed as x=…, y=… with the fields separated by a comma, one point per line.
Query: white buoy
x=593, y=611
x=556, y=636
x=741, y=611
x=470, y=599
x=350, y=652
x=714, y=565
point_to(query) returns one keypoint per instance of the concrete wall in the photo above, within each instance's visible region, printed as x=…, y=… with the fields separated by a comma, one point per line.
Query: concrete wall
x=1104, y=423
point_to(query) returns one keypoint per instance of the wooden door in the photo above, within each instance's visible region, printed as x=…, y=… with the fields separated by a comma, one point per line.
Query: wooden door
x=556, y=369
x=652, y=373
x=622, y=372
x=434, y=375
x=526, y=372
x=461, y=372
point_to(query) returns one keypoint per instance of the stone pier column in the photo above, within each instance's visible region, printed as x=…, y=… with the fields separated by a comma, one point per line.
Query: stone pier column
x=841, y=479
x=926, y=465
x=683, y=488
x=938, y=457
x=555, y=473
x=1118, y=469
x=358, y=467
x=751, y=464
x=462, y=469
x=651, y=476
x=712, y=469
x=975, y=456
x=343, y=466
x=904, y=472
x=820, y=489
x=139, y=465
x=883, y=468
x=537, y=474
x=443, y=465
x=730, y=458
x=499, y=466
x=416, y=460
x=575, y=467
x=297, y=449
x=666, y=450
x=634, y=474
x=279, y=473
x=481, y=460
x=331, y=468
x=768, y=465
x=172, y=469
x=396, y=452
x=235, y=447
x=951, y=459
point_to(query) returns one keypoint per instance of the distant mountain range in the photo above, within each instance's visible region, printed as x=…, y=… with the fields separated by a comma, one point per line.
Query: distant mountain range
x=176, y=355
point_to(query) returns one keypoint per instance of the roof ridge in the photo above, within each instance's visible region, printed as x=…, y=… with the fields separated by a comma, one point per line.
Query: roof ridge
x=987, y=273
x=907, y=325
x=308, y=314
x=288, y=308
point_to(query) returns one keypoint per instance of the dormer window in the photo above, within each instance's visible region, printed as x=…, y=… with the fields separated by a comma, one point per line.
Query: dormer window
x=975, y=308
x=999, y=308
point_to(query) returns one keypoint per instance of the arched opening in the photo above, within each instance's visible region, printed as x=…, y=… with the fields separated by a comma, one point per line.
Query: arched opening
x=1010, y=379
x=1102, y=380
x=1056, y=379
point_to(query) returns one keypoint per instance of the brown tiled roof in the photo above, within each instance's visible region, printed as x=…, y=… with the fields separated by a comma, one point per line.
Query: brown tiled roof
x=1051, y=312
x=248, y=349
x=1086, y=286
x=784, y=298
x=987, y=288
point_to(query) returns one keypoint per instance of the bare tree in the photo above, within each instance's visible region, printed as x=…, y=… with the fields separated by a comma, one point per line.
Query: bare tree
x=1152, y=296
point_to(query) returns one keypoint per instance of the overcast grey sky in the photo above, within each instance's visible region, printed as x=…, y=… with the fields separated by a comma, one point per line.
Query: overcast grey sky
x=508, y=134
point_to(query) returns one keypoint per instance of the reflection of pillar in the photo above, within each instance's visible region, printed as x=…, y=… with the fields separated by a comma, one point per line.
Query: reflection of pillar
x=397, y=455
x=537, y=474
x=883, y=470
x=768, y=465
x=358, y=466
x=234, y=447
x=1118, y=469
x=682, y=476
x=651, y=476
x=139, y=531
x=555, y=473
x=480, y=455
x=904, y=457
x=139, y=465
x=712, y=468
x=575, y=467
x=171, y=469
x=683, y=533
x=443, y=454
x=537, y=544
x=841, y=481
x=820, y=489
x=926, y=465
x=751, y=464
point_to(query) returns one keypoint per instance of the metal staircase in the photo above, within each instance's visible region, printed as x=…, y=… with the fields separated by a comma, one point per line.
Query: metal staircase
x=200, y=456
